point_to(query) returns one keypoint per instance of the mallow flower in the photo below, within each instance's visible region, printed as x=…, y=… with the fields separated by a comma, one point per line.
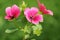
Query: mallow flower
x=32, y=15
x=43, y=9
x=12, y=12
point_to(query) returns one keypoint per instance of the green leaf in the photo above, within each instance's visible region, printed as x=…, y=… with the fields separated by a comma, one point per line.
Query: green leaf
x=27, y=36
x=37, y=29
x=26, y=29
x=37, y=32
x=33, y=39
x=10, y=30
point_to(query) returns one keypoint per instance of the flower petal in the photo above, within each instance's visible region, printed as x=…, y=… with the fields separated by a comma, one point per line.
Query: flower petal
x=15, y=11
x=45, y=11
x=40, y=17
x=41, y=6
x=7, y=17
x=28, y=12
x=34, y=11
x=8, y=11
x=28, y=18
x=37, y=19
x=50, y=12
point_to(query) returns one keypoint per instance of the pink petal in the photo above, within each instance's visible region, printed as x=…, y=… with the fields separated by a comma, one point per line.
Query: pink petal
x=40, y=18
x=34, y=11
x=41, y=6
x=28, y=18
x=28, y=12
x=8, y=11
x=50, y=12
x=15, y=11
x=37, y=19
x=7, y=17
x=45, y=11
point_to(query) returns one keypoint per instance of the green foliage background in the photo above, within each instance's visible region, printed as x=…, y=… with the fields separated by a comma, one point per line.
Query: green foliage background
x=51, y=24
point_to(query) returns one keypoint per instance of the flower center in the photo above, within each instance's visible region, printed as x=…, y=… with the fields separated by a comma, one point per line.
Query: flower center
x=12, y=17
x=31, y=17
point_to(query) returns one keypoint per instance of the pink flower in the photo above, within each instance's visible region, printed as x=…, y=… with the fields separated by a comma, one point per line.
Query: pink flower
x=43, y=9
x=12, y=12
x=33, y=16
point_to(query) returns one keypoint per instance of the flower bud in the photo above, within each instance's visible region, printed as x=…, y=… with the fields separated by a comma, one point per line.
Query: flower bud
x=23, y=6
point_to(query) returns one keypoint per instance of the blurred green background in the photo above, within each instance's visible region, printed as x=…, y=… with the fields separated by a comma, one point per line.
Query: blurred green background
x=51, y=24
